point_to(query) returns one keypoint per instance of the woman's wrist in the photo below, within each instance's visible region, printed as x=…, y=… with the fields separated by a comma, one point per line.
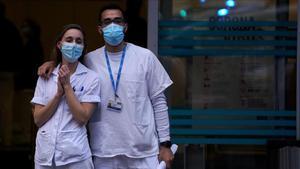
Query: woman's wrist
x=67, y=87
x=58, y=95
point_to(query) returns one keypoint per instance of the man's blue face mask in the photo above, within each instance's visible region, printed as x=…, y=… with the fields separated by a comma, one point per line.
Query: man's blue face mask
x=113, y=34
x=71, y=51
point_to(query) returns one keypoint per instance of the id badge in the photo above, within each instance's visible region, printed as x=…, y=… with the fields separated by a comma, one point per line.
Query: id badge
x=114, y=105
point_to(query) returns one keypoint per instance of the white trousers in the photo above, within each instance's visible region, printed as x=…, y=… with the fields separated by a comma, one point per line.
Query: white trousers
x=86, y=164
x=123, y=162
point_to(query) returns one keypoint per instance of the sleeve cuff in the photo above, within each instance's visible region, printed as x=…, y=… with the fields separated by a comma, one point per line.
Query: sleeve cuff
x=90, y=99
x=38, y=100
x=161, y=89
x=164, y=139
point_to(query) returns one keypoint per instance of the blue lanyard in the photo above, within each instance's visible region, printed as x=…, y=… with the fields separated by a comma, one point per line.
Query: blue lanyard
x=119, y=72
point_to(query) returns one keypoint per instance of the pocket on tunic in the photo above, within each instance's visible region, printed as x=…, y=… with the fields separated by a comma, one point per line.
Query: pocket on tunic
x=135, y=89
x=73, y=143
x=42, y=150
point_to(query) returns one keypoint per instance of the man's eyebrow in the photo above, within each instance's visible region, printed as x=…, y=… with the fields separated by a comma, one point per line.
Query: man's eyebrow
x=112, y=18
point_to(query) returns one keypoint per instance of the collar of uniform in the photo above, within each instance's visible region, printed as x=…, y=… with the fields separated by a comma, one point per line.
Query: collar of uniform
x=80, y=69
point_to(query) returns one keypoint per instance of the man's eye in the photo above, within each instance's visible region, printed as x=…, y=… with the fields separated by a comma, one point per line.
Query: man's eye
x=115, y=20
x=118, y=20
x=107, y=22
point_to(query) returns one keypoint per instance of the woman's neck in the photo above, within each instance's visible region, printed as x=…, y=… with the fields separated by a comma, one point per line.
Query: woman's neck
x=72, y=66
x=114, y=49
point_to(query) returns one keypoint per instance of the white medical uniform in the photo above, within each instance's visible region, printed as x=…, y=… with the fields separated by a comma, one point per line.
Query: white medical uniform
x=132, y=132
x=61, y=140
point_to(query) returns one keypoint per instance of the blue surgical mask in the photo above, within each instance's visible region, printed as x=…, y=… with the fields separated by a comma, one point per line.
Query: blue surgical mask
x=113, y=34
x=71, y=51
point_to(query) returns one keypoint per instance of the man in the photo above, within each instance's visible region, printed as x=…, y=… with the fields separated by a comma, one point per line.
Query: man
x=131, y=125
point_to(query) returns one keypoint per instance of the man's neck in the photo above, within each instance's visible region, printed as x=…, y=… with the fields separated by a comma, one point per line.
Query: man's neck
x=114, y=49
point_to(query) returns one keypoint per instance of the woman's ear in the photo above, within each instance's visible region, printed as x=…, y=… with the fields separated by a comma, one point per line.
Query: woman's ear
x=58, y=44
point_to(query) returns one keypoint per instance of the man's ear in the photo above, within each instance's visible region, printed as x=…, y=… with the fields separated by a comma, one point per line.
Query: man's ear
x=125, y=28
x=99, y=29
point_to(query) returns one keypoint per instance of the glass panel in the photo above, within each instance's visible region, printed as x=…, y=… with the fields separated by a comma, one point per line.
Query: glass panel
x=229, y=55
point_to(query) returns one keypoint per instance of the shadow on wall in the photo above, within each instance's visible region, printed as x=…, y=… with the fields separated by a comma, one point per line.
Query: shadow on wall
x=32, y=54
x=10, y=44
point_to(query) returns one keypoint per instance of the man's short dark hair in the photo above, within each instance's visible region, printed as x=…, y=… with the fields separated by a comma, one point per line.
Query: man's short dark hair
x=110, y=7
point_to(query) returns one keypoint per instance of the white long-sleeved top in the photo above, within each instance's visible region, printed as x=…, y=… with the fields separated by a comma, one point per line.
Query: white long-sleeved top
x=160, y=108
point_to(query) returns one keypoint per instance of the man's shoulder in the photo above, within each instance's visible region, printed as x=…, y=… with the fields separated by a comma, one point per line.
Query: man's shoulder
x=141, y=51
x=94, y=52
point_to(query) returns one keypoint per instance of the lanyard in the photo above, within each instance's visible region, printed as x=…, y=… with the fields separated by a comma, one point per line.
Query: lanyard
x=115, y=86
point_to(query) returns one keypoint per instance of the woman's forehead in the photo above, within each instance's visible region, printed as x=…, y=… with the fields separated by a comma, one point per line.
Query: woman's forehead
x=73, y=33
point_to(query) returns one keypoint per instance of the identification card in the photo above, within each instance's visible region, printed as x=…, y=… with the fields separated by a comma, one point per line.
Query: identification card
x=114, y=105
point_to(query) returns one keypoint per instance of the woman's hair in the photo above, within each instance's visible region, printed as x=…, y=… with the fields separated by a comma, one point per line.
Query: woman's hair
x=56, y=54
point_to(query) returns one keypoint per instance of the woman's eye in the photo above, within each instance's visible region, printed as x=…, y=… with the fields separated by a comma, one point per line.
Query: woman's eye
x=79, y=41
x=69, y=39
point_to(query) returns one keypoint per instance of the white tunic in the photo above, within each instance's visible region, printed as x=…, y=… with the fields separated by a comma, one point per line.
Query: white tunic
x=61, y=137
x=131, y=132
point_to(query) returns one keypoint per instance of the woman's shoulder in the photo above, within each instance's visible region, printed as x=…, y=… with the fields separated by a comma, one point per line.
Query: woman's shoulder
x=89, y=72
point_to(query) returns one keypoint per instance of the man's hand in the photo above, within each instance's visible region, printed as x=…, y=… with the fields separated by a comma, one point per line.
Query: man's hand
x=46, y=69
x=166, y=155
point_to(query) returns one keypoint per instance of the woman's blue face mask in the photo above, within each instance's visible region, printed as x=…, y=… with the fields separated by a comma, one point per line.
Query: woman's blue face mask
x=113, y=34
x=71, y=51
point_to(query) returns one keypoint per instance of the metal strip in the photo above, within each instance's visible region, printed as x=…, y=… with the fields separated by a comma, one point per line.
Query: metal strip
x=219, y=141
x=225, y=52
x=230, y=132
x=177, y=23
x=174, y=33
x=218, y=112
x=237, y=122
x=232, y=43
x=153, y=26
x=298, y=73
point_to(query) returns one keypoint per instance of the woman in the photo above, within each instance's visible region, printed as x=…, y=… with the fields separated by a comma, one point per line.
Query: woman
x=63, y=105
